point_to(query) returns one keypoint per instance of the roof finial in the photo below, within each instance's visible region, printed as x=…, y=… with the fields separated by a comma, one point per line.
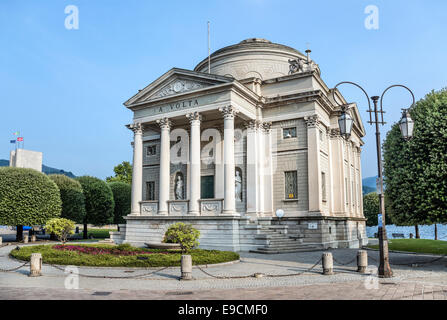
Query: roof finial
x=308, y=51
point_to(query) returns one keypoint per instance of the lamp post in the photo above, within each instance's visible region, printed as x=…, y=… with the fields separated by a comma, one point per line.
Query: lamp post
x=406, y=125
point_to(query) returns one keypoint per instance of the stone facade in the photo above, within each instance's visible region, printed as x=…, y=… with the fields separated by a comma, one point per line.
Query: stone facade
x=223, y=151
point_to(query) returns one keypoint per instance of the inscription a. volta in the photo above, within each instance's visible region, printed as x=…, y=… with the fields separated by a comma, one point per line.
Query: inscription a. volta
x=175, y=106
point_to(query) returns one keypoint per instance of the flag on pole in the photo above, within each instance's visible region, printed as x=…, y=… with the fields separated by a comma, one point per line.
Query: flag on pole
x=20, y=139
x=12, y=141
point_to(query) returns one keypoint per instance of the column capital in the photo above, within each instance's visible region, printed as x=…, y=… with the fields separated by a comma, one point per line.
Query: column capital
x=137, y=127
x=266, y=126
x=312, y=121
x=228, y=111
x=252, y=124
x=194, y=116
x=164, y=123
x=334, y=133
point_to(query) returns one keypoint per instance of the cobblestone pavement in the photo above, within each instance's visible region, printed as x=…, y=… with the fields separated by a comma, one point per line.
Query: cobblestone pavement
x=416, y=280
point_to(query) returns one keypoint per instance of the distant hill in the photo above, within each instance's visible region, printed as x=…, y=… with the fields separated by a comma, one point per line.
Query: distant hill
x=45, y=169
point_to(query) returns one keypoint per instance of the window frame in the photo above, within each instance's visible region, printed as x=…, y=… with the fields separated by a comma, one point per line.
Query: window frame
x=286, y=193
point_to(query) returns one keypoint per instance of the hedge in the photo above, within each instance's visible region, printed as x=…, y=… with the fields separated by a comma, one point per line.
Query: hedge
x=99, y=204
x=27, y=197
x=72, y=196
x=122, y=197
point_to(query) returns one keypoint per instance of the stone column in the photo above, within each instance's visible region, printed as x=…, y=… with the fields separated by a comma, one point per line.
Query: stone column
x=267, y=208
x=137, y=168
x=252, y=169
x=313, y=164
x=229, y=207
x=194, y=164
x=165, y=165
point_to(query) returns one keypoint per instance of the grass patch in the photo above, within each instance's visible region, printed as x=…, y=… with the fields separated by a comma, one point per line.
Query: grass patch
x=416, y=245
x=142, y=258
x=97, y=233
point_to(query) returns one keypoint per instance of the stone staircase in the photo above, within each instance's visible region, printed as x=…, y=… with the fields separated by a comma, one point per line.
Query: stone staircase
x=278, y=241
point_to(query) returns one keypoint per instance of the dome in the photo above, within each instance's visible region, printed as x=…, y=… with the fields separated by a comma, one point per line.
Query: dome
x=253, y=57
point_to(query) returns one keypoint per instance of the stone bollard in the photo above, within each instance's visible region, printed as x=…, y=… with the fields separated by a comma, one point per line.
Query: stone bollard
x=33, y=238
x=362, y=261
x=25, y=238
x=328, y=264
x=186, y=267
x=1, y=241
x=35, y=265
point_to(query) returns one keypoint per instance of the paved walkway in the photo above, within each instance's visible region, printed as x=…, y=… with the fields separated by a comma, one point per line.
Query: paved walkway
x=420, y=281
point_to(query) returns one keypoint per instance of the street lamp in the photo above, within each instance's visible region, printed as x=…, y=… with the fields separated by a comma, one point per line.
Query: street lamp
x=406, y=125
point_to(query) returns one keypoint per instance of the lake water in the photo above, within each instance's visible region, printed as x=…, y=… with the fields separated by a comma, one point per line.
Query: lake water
x=425, y=232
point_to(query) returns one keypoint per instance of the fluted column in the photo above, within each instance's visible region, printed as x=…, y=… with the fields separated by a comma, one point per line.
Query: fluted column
x=194, y=164
x=313, y=164
x=229, y=207
x=165, y=164
x=252, y=169
x=137, y=168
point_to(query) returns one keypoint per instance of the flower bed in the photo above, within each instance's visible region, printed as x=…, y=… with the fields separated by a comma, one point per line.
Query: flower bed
x=104, y=255
x=96, y=250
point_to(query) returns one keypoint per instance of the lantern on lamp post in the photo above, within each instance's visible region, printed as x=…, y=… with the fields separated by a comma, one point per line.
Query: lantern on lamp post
x=406, y=125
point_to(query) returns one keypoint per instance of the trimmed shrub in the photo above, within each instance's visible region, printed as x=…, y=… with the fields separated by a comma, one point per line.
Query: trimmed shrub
x=122, y=197
x=27, y=197
x=183, y=234
x=61, y=227
x=99, y=202
x=72, y=196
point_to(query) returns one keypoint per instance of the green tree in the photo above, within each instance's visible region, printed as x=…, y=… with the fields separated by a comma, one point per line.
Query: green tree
x=72, y=196
x=27, y=197
x=99, y=204
x=371, y=209
x=61, y=227
x=123, y=173
x=416, y=171
x=122, y=197
x=183, y=234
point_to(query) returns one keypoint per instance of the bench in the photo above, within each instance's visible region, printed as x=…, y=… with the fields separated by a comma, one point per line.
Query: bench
x=398, y=235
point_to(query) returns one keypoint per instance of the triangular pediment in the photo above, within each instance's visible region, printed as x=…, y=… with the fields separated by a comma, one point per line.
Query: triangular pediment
x=175, y=82
x=356, y=117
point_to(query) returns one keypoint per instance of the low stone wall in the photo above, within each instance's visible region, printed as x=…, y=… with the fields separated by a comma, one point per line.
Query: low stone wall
x=235, y=233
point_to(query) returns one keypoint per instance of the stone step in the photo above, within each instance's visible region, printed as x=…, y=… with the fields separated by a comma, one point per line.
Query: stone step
x=278, y=251
x=286, y=245
x=282, y=242
x=271, y=236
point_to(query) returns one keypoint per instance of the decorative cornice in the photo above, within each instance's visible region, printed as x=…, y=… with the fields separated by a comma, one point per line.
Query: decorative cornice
x=137, y=127
x=312, y=121
x=228, y=112
x=164, y=123
x=194, y=117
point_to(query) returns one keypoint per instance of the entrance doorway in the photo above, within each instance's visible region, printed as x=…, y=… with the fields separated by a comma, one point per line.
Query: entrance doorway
x=207, y=187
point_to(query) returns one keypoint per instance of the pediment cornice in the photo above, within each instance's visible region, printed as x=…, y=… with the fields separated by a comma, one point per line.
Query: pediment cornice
x=176, y=81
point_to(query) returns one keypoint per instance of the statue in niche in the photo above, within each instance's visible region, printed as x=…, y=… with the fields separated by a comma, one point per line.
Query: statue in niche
x=179, y=188
x=238, y=186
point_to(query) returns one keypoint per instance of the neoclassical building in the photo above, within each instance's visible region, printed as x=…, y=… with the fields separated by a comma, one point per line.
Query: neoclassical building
x=250, y=132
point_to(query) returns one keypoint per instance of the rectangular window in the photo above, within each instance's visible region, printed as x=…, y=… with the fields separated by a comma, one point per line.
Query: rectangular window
x=151, y=150
x=291, y=185
x=289, y=133
x=150, y=190
x=323, y=186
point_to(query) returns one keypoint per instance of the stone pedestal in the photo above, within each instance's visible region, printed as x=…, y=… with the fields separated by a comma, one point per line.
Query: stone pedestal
x=362, y=261
x=186, y=267
x=328, y=264
x=35, y=265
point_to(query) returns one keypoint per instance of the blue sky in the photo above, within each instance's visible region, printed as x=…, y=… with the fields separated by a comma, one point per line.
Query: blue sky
x=64, y=89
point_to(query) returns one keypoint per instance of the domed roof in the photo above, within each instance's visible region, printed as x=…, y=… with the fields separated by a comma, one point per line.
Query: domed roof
x=252, y=57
